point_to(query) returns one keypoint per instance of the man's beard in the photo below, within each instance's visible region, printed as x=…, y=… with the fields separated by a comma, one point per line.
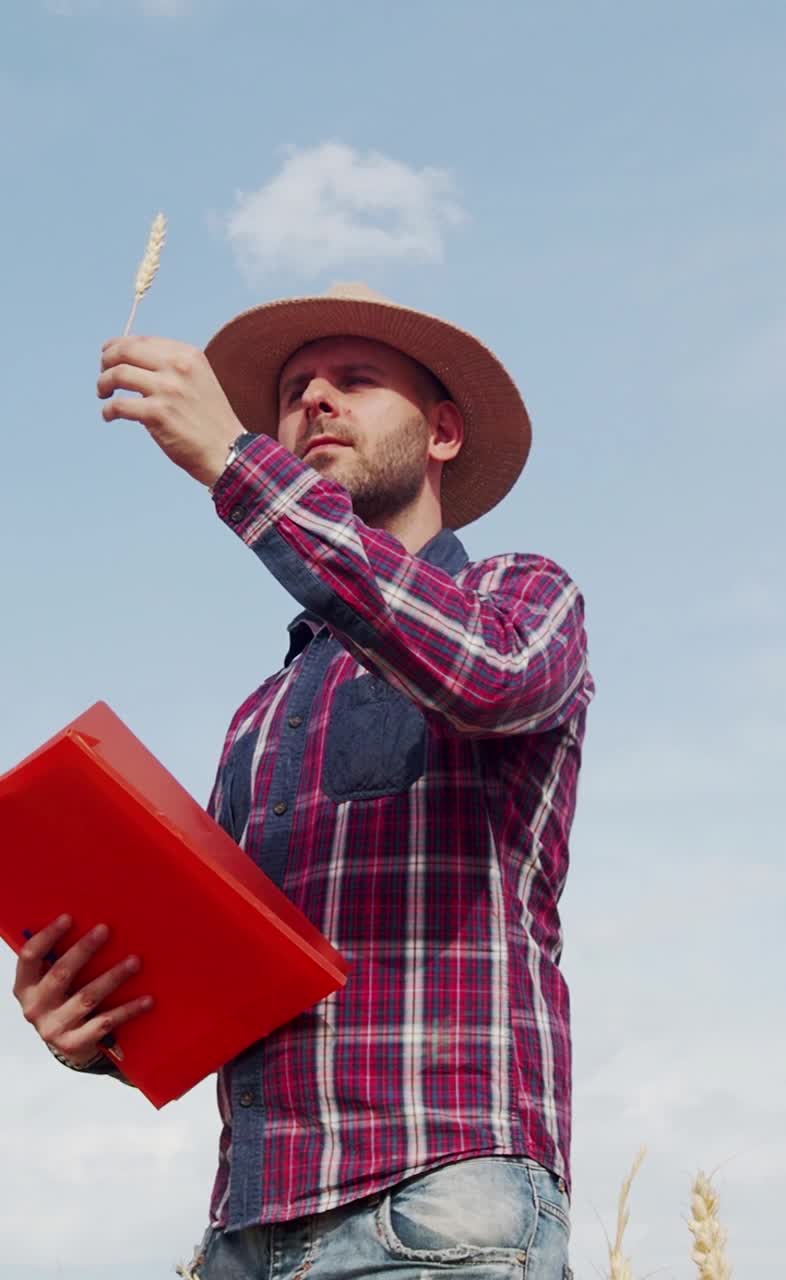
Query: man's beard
x=387, y=483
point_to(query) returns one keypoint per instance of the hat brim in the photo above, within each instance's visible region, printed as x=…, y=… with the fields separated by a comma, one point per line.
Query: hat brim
x=248, y=354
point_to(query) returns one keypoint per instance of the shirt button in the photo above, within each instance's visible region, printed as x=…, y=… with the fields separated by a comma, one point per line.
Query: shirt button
x=237, y=514
x=247, y=1097
x=280, y=808
x=295, y=722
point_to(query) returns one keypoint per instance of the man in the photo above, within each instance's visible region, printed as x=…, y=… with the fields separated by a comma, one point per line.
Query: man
x=408, y=778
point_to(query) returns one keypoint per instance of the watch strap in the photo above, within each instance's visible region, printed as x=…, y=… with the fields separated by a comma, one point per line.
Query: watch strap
x=98, y=1057
x=234, y=450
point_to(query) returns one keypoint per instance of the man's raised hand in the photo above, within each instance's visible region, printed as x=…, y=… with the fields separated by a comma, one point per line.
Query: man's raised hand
x=180, y=400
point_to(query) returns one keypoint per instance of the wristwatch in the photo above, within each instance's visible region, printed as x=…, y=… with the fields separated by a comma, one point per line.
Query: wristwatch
x=234, y=450
x=99, y=1057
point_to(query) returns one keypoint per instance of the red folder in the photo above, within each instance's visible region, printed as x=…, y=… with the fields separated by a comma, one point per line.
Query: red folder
x=93, y=825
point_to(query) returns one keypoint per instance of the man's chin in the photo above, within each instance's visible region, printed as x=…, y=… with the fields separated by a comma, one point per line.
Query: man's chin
x=331, y=463
x=322, y=460
x=330, y=466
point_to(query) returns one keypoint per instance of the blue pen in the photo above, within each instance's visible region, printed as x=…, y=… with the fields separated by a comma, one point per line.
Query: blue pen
x=50, y=957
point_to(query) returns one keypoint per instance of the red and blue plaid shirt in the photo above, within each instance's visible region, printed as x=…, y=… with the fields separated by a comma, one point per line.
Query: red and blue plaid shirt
x=409, y=779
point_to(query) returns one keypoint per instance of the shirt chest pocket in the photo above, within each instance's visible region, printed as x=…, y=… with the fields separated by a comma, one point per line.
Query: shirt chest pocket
x=376, y=743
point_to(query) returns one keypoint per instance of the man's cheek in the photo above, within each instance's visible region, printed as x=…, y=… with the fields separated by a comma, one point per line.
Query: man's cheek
x=286, y=435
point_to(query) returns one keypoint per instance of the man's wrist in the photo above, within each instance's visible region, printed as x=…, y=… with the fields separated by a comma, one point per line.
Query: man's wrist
x=233, y=450
x=97, y=1057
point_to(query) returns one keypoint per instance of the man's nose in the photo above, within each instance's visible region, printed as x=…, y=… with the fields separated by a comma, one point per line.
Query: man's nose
x=320, y=398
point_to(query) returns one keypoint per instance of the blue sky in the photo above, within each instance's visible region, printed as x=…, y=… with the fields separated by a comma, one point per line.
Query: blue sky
x=598, y=192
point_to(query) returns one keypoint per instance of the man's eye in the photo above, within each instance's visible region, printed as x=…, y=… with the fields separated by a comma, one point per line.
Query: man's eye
x=354, y=378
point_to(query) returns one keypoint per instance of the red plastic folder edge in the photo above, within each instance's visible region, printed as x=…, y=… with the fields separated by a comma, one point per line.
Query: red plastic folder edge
x=92, y=824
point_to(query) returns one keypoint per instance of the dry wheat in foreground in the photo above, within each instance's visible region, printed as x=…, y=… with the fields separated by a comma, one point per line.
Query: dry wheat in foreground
x=149, y=265
x=620, y=1265
x=709, y=1252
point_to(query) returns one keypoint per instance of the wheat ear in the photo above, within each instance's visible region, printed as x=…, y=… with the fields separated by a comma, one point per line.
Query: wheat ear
x=149, y=265
x=709, y=1252
x=620, y=1265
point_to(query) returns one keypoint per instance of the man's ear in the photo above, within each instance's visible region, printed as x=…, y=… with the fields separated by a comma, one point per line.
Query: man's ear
x=447, y=430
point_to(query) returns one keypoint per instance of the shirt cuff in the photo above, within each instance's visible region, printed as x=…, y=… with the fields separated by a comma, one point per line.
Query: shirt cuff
x=259, y=484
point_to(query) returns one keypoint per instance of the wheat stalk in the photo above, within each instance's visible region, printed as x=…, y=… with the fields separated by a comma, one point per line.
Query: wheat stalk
x=149, y=265
x=709, y=1252
x=620, y=1265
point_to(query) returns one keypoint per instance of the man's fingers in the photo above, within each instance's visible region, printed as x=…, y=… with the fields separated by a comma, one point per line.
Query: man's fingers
x=30, y=961
x=85, y=1002
x=81, y=1043
x=55, y=985
x=132, y=410
x=126, y=377
x=144, y=352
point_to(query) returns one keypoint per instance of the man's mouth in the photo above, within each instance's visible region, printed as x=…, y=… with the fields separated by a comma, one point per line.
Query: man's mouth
x=322, y=442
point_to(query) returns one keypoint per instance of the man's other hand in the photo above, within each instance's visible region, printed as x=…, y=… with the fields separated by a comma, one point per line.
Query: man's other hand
x=66, y=1016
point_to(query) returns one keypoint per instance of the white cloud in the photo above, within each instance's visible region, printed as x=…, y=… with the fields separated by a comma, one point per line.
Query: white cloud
x=330, y=206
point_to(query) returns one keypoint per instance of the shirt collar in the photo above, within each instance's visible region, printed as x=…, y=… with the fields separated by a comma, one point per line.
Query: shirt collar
x=444, y=550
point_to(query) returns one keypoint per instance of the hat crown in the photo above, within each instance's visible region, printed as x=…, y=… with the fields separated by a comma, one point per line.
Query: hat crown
x=357, y=291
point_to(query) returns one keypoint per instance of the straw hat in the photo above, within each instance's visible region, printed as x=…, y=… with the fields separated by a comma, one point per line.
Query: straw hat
x=248, y=353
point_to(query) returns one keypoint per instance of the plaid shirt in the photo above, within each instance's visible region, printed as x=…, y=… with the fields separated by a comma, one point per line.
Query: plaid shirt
x=408, y=778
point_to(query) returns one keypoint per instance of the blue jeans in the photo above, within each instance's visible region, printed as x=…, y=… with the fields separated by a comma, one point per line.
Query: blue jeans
x=488, y=1218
